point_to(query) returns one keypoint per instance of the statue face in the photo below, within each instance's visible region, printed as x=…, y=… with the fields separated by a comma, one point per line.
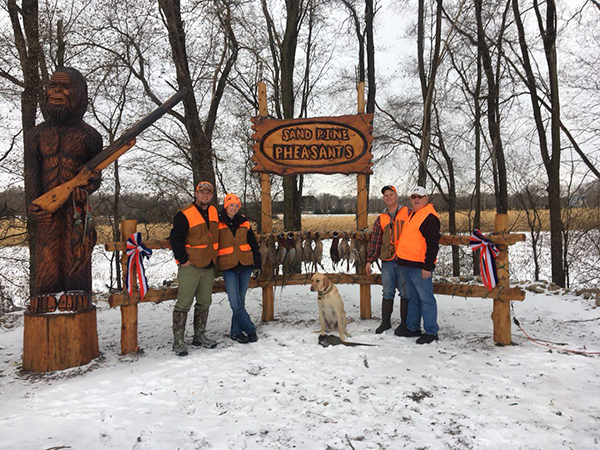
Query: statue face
x=66, y=95
x=59, y=90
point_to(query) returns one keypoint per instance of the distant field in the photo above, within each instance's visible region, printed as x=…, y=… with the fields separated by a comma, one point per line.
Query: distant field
x=517, y=221
x=12, y=232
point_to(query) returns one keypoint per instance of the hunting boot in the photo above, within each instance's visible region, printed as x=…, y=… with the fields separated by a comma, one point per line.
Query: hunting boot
x=403, y=315
x=387, y=306
x=200, y=339
x=179, y=320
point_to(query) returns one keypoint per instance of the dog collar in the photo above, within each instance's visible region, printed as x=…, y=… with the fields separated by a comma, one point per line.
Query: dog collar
x=326, y=291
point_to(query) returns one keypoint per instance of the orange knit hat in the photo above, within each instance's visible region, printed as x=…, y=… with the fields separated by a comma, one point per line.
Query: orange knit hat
x=230, y=199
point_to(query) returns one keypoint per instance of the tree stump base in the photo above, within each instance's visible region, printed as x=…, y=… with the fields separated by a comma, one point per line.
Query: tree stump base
x=59, y=341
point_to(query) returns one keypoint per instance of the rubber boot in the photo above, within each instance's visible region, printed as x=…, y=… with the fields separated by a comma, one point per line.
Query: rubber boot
x=200, y=339
x=403, y=315
x=387, y=306
x=179, y=320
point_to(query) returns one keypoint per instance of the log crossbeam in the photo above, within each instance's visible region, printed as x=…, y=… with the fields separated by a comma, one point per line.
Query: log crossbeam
x=456, y=290
x=446, y=239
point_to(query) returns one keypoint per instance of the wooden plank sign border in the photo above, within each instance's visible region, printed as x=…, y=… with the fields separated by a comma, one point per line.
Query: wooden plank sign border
x=317, y=145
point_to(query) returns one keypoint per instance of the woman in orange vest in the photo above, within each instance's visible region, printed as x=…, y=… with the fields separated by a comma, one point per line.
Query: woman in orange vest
x=238, y=259
x=417, y=252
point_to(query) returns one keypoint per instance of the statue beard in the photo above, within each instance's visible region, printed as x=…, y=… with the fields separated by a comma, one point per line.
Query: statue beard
x=59, y=113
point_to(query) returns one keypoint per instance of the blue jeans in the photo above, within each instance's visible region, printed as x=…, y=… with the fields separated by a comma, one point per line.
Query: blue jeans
x=421, y=302
x=236, y=284
x=392, y=278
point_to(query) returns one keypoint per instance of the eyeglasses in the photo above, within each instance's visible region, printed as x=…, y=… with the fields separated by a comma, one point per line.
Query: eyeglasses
x=414, y=197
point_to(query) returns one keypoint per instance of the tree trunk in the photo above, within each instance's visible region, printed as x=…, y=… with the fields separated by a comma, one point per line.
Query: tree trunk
x=116, y=222
x=551, y=161
x=27, y=43
x=558, y=269
x=427, y=86
x=371, y=85
x=200, y=146
x=292, y=214
x=493, y=109
x=477, y=109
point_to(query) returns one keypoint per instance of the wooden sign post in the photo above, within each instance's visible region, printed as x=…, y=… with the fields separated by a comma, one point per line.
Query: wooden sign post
x=266, y=219
x=129, y=313
x=325, y=145
x=501, y=311
x=362, y=216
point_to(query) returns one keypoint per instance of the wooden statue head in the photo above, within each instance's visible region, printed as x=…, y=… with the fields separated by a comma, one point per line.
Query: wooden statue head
x=66, y=95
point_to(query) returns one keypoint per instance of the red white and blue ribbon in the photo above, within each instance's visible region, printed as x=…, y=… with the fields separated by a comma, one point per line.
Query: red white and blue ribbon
x=136, y=252
x=487, y=257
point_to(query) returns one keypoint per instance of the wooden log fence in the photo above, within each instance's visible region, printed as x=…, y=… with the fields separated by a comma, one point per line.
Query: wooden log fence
x=501, y=295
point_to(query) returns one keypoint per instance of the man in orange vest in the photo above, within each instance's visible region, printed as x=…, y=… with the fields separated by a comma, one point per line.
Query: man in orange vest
x=195, y=243
x=383, y=245
x=417, y=252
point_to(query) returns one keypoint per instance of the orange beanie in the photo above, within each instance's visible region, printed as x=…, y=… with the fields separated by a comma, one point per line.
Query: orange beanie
x=230, y=199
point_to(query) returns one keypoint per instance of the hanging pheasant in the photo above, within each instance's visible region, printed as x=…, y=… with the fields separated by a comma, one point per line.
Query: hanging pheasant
x=334, y=251
x=318, y=252
x=281, y=251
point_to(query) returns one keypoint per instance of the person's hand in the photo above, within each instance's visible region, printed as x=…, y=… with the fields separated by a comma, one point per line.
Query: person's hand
x=187, y=263
x=79, y=195
x=40, y=215
x=368, y=268
x=256, y=273
x=425, y=274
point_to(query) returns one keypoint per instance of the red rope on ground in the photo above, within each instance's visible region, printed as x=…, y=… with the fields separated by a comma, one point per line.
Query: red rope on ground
x=580, y=352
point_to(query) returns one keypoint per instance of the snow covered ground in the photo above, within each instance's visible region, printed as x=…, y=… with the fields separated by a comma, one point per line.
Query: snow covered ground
x=286, y=391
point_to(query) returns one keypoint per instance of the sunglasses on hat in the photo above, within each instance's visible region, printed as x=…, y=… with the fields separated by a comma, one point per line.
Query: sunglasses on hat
x=204, y=185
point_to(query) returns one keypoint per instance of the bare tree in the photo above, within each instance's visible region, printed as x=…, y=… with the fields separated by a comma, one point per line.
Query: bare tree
x=33, y=71
x=427, y=81
x=547, y=29
x=200, y=135
x=493, y=77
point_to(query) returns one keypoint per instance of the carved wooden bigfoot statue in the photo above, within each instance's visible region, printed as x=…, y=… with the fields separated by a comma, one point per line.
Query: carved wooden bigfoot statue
x=59, y=147
x=55, y=150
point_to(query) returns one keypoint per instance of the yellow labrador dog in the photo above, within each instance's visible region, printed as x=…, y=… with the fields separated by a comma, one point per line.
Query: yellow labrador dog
x=331, y=306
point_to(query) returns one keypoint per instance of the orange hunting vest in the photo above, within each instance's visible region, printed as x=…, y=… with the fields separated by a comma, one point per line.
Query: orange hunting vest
x=412, y=245
x=201, y=242
x=234, y=250
x=391, y=233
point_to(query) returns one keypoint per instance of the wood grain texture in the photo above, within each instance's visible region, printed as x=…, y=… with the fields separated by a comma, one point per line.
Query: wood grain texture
x=129, y=313
x=501, y=311
x=455, y=289
x=317, y=145
x=59, y=341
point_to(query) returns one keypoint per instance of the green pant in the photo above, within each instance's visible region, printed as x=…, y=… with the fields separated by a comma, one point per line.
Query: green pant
x=194, y=282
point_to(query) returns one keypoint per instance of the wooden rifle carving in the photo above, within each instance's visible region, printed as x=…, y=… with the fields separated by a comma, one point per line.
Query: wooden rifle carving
x=55, y=198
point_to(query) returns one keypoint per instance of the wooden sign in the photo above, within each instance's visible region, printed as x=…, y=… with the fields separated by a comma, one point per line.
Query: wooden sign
x=317, y=145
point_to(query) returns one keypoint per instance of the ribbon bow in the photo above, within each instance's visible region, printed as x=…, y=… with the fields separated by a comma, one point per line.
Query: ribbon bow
x=487, y=264
x=136, y=252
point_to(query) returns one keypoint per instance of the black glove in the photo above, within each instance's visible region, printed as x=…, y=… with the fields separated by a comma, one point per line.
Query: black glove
x=256, y=273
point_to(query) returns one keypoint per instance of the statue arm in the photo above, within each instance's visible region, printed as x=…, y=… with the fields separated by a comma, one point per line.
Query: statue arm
x=33, y=177
x=33, y=167
x=95, y=147
x=93, y=143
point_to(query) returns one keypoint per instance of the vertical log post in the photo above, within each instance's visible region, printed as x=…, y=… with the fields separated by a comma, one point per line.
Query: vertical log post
x=501, y=312
x=362, y=216
x=266, y=219
x=129, y=313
